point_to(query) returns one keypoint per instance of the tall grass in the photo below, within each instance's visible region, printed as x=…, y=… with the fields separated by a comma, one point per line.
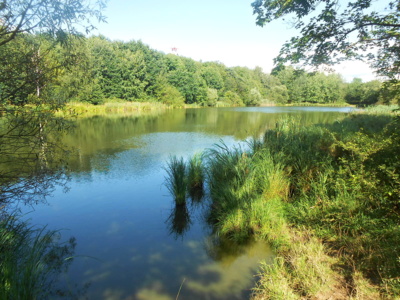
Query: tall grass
x=382, y=109
x=176, y=181
x=30, y=260
x=87, y=109
x=185, y=178
x=246, y=190
x=196, y=177
x=324, y=196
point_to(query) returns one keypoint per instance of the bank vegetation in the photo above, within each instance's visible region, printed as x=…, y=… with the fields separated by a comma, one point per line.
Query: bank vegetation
x=325, y=197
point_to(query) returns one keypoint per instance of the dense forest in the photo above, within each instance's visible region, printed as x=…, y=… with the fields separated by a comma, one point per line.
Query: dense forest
x=96, y=70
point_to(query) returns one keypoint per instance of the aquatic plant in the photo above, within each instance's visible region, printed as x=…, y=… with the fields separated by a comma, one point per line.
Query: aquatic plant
x=196, y=177
x=176, y=181
x=31, y=260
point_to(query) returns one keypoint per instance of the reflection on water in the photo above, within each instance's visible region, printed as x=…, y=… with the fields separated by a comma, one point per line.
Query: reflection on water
x=232, y=275
x=179, y=221
x=132, y=242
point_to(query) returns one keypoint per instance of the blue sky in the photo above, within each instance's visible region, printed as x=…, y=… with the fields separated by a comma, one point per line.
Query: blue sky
x=206, y=30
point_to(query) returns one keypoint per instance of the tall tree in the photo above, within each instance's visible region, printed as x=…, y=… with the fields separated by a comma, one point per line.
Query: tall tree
x=332, y=31
x=29, y=157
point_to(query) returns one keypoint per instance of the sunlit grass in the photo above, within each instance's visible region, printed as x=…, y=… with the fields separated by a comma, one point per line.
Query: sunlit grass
x=111, y=107
x=176, y=180
x=382, y=109
x=323, y=197
x=301, y=272
x=196, y=177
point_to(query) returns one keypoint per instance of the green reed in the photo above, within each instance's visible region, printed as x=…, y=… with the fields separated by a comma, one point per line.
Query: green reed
x=30, y=260
x=196, y=176
x=176, y=181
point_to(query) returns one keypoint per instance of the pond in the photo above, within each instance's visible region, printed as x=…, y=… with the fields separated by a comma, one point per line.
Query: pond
x=131, y=241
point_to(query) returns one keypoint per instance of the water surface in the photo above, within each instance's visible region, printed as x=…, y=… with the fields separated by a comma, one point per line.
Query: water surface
x=132, y=242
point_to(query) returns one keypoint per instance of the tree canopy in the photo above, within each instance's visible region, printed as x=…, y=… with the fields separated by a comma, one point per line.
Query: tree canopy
x=332, y=31
x=55, y=17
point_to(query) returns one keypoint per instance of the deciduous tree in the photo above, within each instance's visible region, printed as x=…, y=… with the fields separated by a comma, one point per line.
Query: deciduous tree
x=332, y=31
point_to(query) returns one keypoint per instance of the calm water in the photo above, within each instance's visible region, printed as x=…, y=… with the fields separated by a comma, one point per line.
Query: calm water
x=132, y=243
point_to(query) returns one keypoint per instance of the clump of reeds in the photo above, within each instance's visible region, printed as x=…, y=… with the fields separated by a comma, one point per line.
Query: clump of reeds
x=176, y=181
x=196, y=177
x=185, y=178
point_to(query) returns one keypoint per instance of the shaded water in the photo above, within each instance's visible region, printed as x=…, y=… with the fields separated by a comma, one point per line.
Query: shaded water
x=132, y=243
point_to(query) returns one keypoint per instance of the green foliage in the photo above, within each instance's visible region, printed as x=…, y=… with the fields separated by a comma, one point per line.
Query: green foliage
x=93, y=70
x=195, y=175
x=31, y=260
x=331, y=33
x=275, y=91
x=233, y=98
x=254, y=97
x=246, y=191
x=304, y=271
x=212, y=77
x=212, y=97
x=191, y=86
x=314, y=87
x=56, y=18
x=169, y=95
x=363, y=94
x=324, y=196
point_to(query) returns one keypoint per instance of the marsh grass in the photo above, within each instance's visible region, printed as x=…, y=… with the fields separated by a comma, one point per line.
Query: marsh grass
x=31, y=260
x=109, y=107
x=176, y=180
x=196, y=177
x=383, y=109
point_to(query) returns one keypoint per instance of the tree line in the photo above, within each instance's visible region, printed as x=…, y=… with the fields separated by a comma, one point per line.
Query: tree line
x=36, y=67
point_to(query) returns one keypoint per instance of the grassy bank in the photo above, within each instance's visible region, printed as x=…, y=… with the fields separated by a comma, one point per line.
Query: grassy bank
x=86, y=109
x=122, y=107
x=334, y=104
x=119, y=107
x=326, y=197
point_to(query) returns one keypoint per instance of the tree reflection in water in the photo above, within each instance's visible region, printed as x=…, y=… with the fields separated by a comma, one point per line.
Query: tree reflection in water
x=32, y=161
x=32, y=156
x=32, y=260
